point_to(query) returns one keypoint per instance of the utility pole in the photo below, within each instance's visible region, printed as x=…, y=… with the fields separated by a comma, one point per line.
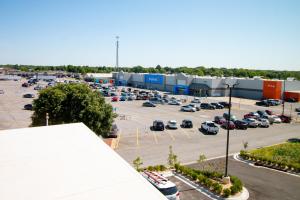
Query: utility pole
x=47, y=119
x=117, y=53
x=230, y=86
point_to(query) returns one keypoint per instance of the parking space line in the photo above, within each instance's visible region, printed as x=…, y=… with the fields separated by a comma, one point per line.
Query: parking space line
x=170, y=134
x=118, y=140
x=155, y=138
x=137, y=137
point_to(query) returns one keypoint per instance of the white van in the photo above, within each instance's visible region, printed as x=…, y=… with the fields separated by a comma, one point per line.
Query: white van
x=165, y=186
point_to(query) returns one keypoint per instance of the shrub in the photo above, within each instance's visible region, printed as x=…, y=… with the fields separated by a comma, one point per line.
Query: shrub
x=194, y=175
x=177, y=167
x=208, y=183
x=226, y=192
x=150, y=168
x=217, y=187
x=237, y=185
x=201, y=178
x=162, y=168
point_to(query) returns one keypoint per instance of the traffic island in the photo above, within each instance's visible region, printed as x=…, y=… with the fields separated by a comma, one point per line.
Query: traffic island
x=212, y=183
x=282, y=157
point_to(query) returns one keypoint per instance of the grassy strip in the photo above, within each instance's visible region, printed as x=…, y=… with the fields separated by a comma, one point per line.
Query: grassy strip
x=285, y=156
x=211, y=180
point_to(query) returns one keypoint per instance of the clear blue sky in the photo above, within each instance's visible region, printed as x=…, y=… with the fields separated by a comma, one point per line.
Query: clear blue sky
x=262, y=34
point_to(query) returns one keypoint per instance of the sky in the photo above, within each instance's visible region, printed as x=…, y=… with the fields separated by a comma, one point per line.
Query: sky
x=254, y=34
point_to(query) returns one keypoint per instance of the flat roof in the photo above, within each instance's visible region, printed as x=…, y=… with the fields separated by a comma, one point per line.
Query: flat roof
x=66, y=162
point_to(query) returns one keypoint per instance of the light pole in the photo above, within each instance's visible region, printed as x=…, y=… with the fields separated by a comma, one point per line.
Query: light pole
x=230, y=86
x=283, y=97
x=117, y=53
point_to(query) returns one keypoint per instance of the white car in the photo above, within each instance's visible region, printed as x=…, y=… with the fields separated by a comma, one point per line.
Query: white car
x=276, y=119
x=173, y=102
x=263, y=123
x=196, y=100
x=166, y=187
x=188, y=109
x=209, y=127
x=172, y=124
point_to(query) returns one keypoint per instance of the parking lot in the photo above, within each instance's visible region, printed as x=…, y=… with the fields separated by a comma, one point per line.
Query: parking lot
x=136, y=138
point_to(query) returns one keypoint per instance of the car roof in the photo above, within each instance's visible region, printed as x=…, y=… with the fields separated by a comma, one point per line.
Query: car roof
x=209, y=122
x=173, y=121
x=158, y=121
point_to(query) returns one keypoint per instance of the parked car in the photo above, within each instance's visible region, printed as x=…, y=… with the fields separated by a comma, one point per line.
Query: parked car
x=28, y=95
x=209, y=127
x=252, y=115
x=149, y=104
x=1, y=91
x=113, y=132
x=252, y=123
x=219, y=119
x=277, y=119
x=173, y=102
x=263, y=123
x=274, y=102
x=123, y=98
x=188, y=109
x=240, y=124
x=158, y=125
x=157, y=100
x=270, y=118
x=196, y=106
x=263, y=103
x=224, y=103
x=291, y=100
x=225, y=125
x=25, y=85
x=115, y=98
x=172, y=124
x=269, y=112
x=217, y=105
x=297, y=109
x=262, y=113
x=186, y=123
x=285, y=119
x=28, y=107
x=38, y=87
x=226, y=116
x=196, y=100
x=207, y=106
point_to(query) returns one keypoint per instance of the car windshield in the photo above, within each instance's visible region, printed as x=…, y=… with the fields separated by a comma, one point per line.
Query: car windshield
x=168, y=191
x=211, y=124
x=174, y=123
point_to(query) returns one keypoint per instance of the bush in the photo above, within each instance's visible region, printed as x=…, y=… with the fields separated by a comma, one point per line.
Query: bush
x=226, y=192
x=177, y=167
x=194, y=175
x=217, y=187
x=208, y=183
x=237, y=185
x=201, y=178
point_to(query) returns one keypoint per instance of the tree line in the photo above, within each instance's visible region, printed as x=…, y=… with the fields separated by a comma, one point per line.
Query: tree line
x=200, y=71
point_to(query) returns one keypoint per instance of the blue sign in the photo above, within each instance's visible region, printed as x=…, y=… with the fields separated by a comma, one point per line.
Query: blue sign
x=154, y=78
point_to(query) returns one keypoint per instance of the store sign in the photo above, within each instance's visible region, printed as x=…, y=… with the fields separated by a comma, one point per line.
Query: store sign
x=154, y=79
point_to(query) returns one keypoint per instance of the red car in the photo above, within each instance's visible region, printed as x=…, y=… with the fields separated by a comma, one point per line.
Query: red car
x=250, y=115
x=285, y=119
x=269, y=112
x=115, y=98
x=231, y=125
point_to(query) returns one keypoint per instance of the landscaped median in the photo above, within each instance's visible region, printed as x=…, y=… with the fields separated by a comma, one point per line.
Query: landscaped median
x=212, y=181
x=283, y=157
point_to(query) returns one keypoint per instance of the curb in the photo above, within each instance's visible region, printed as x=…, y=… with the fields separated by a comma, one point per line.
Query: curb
x=244, y=195
x=248, y=162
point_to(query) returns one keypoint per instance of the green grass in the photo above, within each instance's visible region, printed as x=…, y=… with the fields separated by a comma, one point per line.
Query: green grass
x=288, y=153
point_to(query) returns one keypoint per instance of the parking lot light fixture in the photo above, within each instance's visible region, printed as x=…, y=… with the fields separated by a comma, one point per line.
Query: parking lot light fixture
x=230, y=86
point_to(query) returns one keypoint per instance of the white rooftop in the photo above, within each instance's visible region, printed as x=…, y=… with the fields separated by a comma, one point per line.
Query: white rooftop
x=66, y=162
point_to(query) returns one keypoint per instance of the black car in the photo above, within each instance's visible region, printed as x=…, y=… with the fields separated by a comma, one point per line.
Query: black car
x=263, y=103
x=28, y=96
x=240, y=124
x=262, y=113
x=158, y=125
x=291, y=100
x=224, y=103
x=28, y=107
x=207, y=106
x=149, y=104
x=186, y=123
x=217, y=105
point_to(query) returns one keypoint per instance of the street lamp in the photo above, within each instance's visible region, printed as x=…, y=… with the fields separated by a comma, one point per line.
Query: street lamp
x=230, y=86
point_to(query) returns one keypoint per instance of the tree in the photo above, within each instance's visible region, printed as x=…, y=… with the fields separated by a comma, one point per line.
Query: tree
x=70, y=103
x=137, y=163
x=172, y=158
x=200, y=160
